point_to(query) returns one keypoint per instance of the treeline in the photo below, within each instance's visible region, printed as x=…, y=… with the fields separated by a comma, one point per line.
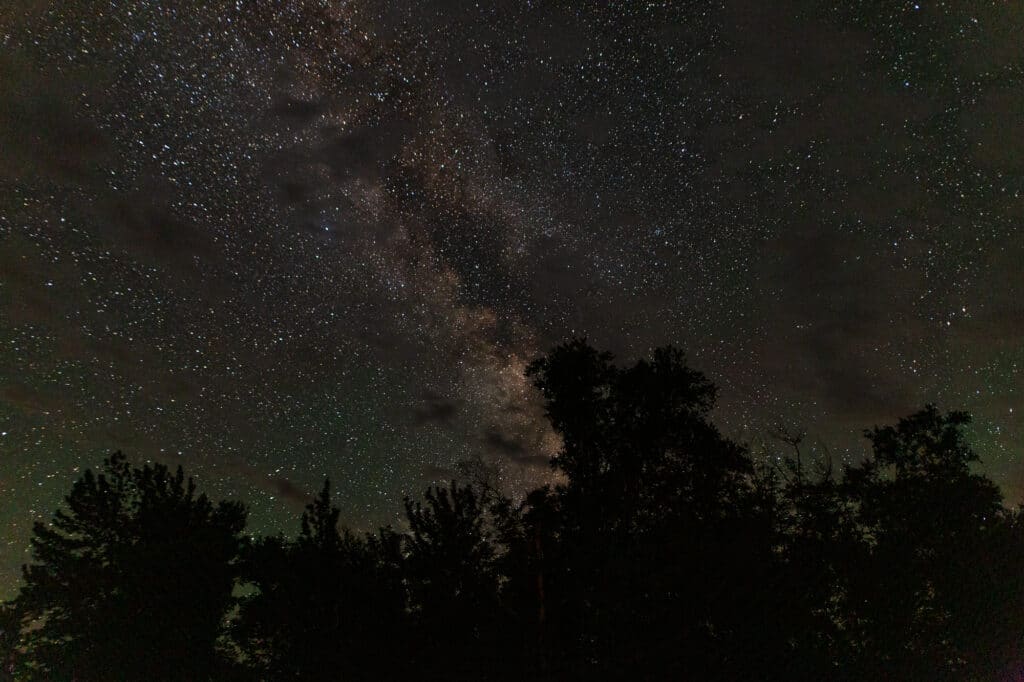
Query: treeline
x=666, y=553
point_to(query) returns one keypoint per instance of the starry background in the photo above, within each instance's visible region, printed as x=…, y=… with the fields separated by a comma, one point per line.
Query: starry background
x=278, y=240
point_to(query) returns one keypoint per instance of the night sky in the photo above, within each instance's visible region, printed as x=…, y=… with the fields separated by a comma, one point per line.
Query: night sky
x=278, y=240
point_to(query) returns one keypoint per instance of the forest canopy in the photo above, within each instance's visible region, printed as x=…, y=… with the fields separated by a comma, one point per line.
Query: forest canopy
x=668, y=551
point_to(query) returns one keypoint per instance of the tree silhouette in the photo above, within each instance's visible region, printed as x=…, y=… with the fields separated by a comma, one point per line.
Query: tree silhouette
x=452, y=582
x=328, y=606
x=132, y=580
x=818, y=544
x=661, y=553
x=931, y=525
x=634, y=439
x=661, y=533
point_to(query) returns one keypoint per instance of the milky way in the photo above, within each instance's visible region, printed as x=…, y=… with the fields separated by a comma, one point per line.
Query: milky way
x=274, y=241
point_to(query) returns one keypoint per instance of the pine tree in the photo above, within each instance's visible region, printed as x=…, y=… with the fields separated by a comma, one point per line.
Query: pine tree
x=132, y=579
x=328, y=605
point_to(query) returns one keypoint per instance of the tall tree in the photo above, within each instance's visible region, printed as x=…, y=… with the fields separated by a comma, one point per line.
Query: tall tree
x=940, y=545
x=132, y=579
x=660, y=532
x=452, y=582
x=636, y=438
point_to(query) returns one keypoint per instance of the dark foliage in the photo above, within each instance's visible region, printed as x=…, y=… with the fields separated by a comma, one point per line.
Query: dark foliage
x=131, y=581
x=664, y=552
x=328, y=606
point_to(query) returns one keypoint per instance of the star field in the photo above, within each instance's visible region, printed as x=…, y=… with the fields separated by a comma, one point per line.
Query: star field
x=274, y=241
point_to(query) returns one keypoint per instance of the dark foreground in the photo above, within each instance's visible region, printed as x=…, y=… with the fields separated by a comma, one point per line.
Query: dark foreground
x=667, y=552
